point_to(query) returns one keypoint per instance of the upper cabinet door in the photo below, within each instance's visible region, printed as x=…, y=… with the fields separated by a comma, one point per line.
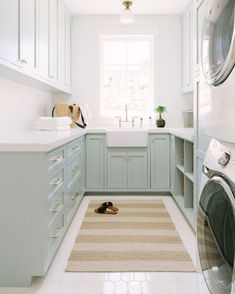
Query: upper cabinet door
x=61, y=43
x=200, y=9
x=64, y=24
x=67, y=49
x=187, y=48
x=9, y=31
x=28, y=34
x=53, y=39
x=43, y=38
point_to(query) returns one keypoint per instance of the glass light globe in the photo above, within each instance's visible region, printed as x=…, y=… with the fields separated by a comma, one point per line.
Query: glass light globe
x=127, y=16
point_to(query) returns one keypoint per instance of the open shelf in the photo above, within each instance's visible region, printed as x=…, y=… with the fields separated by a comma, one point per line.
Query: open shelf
x=188, y=193
x=188, y=157
x=183, y=190
x=188, y=212
x=179, y=151
x=180, y=168
x=190, y=176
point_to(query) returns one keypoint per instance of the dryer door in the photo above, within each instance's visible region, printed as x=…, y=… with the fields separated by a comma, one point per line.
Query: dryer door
x=218, y=48
x=216, y=235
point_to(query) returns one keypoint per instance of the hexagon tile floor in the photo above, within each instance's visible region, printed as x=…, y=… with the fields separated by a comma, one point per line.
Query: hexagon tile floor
x=57, y=281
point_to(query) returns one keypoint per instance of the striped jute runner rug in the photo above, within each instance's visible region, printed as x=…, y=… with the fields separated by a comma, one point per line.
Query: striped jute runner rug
x=140, y=238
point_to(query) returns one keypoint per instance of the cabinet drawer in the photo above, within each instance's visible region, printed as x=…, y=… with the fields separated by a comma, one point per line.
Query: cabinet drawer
x=75, y=193
x=55, y=183
x=55, y=159
x=73, y=170
x=55, y=206
x=73, y=149
x=73, y=198
x=55, y=233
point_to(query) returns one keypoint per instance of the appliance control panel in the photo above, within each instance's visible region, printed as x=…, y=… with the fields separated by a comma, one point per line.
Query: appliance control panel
x=224, y=158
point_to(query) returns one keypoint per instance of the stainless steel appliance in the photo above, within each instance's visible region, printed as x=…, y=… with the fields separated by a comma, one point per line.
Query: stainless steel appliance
x=216, y=218
x=217, y=84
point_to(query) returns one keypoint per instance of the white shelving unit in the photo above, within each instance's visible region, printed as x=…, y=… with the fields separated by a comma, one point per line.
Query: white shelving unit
x=183, y=173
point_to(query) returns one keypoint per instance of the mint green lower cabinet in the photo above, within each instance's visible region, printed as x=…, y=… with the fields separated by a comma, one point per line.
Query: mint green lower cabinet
x=117, y=170
x=94, y=162
x=160, y=162
x=83, y=166
x=40, y=194
x=127, y=169
x=137, y=170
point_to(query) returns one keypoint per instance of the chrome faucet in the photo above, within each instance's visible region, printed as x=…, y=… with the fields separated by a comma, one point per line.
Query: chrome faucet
x=120, y=121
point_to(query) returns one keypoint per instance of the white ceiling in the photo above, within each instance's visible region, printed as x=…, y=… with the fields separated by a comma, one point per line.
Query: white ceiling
x=170, y=7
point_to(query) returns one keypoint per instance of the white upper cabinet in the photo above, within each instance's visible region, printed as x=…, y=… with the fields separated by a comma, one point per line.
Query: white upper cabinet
x=187, y=50
x=9, y=32
x=43, y=38
x=67, y=49
x=53, y=39
x=35, y=41
x=61, y=43
x=27, y=52
x=64, y=24
x=199, y=11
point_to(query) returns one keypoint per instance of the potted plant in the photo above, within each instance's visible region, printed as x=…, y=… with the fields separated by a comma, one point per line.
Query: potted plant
x=160, y=121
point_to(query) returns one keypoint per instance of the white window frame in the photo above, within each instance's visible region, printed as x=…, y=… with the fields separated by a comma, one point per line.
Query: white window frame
x=125, y=37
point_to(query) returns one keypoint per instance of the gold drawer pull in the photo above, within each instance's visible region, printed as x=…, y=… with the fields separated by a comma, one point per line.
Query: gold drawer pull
x=75, y=196
x=57, y=208
x=75, y=148
x=57, y=236
x=76, y=168
x=56, y=182
x=57, y=159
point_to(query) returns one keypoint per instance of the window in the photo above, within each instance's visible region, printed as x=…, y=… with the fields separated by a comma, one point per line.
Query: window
x=126, y=75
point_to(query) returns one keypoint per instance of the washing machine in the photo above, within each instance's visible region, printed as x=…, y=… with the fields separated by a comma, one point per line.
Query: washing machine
x=217, y=107
x=216, y=218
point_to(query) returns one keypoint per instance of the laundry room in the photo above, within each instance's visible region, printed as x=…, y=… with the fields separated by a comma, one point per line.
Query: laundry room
x=117, y=137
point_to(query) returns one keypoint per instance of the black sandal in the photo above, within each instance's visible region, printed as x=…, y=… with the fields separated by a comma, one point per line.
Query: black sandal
x=109, y=205
x=103, y=210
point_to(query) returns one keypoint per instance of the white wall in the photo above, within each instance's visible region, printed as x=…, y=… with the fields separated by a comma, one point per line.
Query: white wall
x=85, y=60
x=20, y=105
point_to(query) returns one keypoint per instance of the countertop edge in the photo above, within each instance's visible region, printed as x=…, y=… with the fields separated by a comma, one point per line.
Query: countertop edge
x=186, y=134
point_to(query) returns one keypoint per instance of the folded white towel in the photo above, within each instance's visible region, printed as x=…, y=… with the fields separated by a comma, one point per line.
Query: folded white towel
x=54, y=121
x=63, y=128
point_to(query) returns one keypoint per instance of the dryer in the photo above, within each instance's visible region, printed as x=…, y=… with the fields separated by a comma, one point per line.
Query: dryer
x=216, y=218
x=217, y=110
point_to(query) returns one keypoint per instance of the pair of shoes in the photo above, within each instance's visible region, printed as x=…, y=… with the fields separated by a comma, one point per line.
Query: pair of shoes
x=107, y=208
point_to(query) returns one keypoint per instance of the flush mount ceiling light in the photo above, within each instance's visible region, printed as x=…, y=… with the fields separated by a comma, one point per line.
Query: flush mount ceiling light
x=127, y=14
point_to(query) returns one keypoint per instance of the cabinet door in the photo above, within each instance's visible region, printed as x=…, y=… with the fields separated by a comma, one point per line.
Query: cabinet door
x=9, y=31
x=187, y=46
x=117, y=170
x=67, y=49
x=95, y=162
x=200, y=9
x=137, y=170
x=61, y=43
x=28, y=34
x=53, y=40
x=83, y=166
x=160, y=162
x=43, y=38
x=73, y=197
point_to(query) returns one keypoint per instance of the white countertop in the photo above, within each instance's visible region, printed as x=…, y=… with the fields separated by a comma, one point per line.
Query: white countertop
x=44, y=141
